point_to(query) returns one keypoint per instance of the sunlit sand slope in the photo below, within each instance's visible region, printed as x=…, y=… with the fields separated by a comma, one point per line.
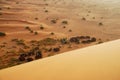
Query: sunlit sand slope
x=100, y=62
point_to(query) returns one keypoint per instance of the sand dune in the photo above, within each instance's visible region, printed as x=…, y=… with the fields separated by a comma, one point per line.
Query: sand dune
x=27, y=22
x=100, y=62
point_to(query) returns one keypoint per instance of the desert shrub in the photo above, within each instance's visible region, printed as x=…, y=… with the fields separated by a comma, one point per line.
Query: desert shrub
x=8, y=7
x=100, y=42
x=31, y=31
x=41, y=27
x=93, y=39
x=52, y=33
x=36, y=33
x=20, y=42
x=36, y=18
x=93, y=17
x=14, y=40
x=100, y=24
x=56, y=49
x=54, y=21
x=27, y=27
x=2, y=34
x=21, y=58
x=46, y=11
x=64, y=26
x=74, y=40
x=29, y=59
x=64, y=22
x=13, y=60
x=64, y=41
x=17, y=2
x=38, y=55
x=70, y=30
x=0, y=13
x=84, y=18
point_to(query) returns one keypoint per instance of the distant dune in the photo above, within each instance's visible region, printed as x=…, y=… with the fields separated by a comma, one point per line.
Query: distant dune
x=100, y=62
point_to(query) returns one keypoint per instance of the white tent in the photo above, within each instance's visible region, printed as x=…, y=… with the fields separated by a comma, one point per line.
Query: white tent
x=99, y=62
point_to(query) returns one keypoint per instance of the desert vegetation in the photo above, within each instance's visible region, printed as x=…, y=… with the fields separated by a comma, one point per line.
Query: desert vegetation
x=32, y=30
x=51, y=46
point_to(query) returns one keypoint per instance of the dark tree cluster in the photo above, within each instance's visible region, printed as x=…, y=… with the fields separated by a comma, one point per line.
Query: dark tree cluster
x=29, y=56
x=2, y=34
x=82, y=39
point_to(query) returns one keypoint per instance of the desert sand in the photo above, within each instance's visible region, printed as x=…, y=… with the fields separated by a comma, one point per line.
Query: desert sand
x=59, y=19
x=100, y=62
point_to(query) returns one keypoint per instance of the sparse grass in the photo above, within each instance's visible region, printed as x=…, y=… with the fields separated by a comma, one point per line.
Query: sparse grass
x=47, y=41
x=20, y=42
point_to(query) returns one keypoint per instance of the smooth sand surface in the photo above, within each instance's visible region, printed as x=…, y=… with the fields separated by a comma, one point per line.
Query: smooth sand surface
x=100, y=62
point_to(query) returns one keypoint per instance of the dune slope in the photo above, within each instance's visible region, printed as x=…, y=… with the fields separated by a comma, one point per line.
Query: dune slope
x=100, y=62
